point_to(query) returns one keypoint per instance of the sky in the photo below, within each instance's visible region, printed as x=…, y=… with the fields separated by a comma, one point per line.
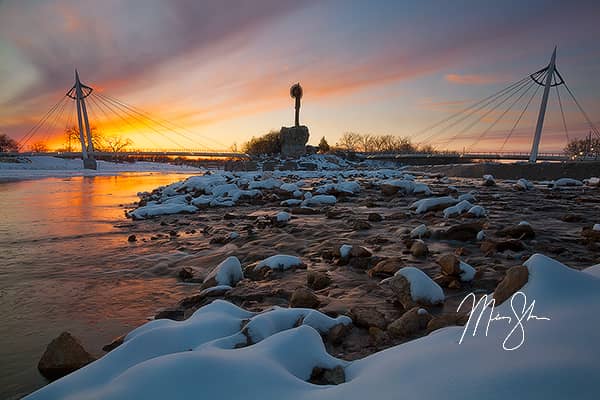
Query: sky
x=220, y=71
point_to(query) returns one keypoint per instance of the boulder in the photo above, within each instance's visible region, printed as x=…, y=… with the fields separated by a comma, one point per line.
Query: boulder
x=520, y=231
x=419, y=248
x=337, y=334
x=317, y=280
x=444, y=320
x=304, y=298
x=401, y=288
x=186, y=274
x=450, y=264
x=293, y=141
x=514, y=280
x=411, y=322
x=63, y=355
x=367, y=317
x=386, y=268
x=463, y=232
x=327, y=376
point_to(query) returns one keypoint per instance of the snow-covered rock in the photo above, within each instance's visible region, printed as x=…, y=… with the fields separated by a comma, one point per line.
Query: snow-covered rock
x=523, y=184
x=153, y=210
x=467, y=273
x=280, y=262
x=228, y=272
x=457, y=209
x=432, y=203
x=422, y=287
x=563, y=182
x=488, y=180
x=480, y=235
x=345, y=250
x=206, y=356
x=283, y=216
x=319, y=200
x=270, y=183
x=468, y=197
x=476, y=211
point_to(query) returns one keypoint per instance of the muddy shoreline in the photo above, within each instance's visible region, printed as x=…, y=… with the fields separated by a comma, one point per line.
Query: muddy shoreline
x=381, y=223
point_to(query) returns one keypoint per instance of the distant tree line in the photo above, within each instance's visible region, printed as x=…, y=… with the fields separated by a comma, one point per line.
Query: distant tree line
x=7, y=144
x=270, y=143
x=585, y=147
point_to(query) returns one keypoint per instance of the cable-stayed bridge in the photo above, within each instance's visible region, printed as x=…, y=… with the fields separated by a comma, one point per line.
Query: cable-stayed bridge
x=470, y=126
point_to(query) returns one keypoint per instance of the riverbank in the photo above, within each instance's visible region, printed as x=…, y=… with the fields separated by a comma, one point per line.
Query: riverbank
x=341, y=233
x=39, y=167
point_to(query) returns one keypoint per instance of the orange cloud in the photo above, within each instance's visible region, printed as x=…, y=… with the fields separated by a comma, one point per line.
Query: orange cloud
x=472, y=79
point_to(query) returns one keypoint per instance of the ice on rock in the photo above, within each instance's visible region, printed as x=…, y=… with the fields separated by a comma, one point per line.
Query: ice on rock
x=422, y=287
x=319, y=200
x=283, y=216
x=345, y=250
x=228, y=272
x=467, y=272
x=419, y=231
x=424, y=205
x=477, y=211
x=279, y=262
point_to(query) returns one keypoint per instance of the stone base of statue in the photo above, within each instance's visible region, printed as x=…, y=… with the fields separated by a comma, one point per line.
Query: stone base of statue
x=293, y=141
x=89, y=163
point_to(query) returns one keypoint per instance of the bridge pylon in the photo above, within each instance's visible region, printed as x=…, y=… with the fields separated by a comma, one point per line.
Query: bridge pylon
x=79, y=92
x=552, y=78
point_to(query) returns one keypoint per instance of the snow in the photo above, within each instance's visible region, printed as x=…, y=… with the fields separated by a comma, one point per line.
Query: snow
x=319, y=200
x=467, y=272
x=419, y=231
x=524, y=223
x=198, y=358
x=424, y=205
x=291, y=202
x=594, y=181
x=279, y=261
x=480, y=235
x=345, y=250
x=467, y=196
x=457, y=209
x=213, y=289
x=228, y=272
x=422, y=287
x=596, y=227
x=289, y=187
x=34, y=167
x=153, y=210
x=488, y=178
x=270, y=183
x=283, y=216
x=348, y=187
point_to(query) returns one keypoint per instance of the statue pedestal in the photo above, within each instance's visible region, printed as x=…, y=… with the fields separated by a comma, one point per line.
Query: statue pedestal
x=89, y=163
x=293, y=141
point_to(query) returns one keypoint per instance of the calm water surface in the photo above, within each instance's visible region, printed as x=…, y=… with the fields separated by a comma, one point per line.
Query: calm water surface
x=66, y=265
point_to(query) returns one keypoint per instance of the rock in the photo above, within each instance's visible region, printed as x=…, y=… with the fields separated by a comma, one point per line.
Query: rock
x=572, y=218
x=591, y=234
x=521, y=231
x=337, y=334
x=401, y=288
x=317, y=280
x=131, y=238
x=386, y=268
x=114, y=344
x=450, y=264
x=304, y=298
x=293, y=141
x=366, y=317
x=359, y=251
x=63, y=355
x=454, y=284
x=326, y=376
x=444, y=320
x=410, y=323
x=514, y=280
x=186, y=274
x=512, y=245
x=419, y=248
x=463, y=232
x=389, y=190
x=304, y=211
x=374, y=217
x=378, y=336
x=488, y=180
x=359, y=225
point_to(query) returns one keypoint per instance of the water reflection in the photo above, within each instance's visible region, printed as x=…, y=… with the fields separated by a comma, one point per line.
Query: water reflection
x=66, y=266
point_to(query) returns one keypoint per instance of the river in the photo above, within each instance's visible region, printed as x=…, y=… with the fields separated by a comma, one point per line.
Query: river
x=66, y=265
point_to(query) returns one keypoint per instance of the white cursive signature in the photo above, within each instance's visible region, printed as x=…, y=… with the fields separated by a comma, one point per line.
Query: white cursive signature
x=521, y=315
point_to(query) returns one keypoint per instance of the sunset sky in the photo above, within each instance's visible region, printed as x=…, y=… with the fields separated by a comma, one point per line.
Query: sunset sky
x=222, y=69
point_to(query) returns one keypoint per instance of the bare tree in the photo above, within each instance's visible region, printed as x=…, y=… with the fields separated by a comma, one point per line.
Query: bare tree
x=349, y=141
x=39, y=147
x=7, y=143
x=115, y=144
